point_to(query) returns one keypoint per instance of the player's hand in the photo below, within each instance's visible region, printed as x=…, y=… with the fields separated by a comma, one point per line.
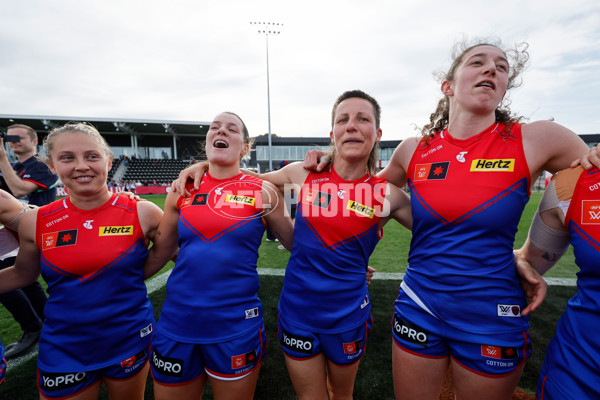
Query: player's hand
x=534, y=285
x=131, y=195
x=316, y=160
x=194, y=172
x=589, y=160
x=370, y=273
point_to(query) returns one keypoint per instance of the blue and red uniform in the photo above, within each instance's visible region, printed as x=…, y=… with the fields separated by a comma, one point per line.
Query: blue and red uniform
x=467, y=197
x=98, y=313
x=212, y=293
x=335, y=232
x=571, y=368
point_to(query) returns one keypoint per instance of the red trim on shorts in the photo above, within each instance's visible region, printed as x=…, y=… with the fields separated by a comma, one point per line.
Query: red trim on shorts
x=543, y=386
x=300, y=359
x=488, y=375
x=131, y=377
x=415, y=353
x=232, y=377
x=175, y=384
x=365, y=350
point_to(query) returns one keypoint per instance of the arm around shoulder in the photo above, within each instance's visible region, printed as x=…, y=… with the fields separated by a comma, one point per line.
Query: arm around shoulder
x=551, y=147
x=164, y=241
x=27, y=265
x=395, y=172
x=276, y=216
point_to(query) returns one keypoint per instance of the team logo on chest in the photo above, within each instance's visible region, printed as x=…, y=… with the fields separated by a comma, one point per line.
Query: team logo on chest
x=200, y=199
x=590, y=212
x=433, y=171
x=316, y=198
x=59, y=239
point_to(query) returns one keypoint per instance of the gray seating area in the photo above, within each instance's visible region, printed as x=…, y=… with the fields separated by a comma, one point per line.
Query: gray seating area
x=152, y=170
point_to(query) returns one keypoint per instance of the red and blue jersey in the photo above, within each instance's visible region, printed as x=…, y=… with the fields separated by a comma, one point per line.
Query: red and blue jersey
x=572, y=358
x=98, y=312
x=335, y=231
x=212, y=293
x=467, y=197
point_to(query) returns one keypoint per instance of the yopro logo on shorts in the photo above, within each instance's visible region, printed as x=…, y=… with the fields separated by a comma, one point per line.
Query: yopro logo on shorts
x=411, y=333
x=62, y=381
x=167, y=366
x=296, y=343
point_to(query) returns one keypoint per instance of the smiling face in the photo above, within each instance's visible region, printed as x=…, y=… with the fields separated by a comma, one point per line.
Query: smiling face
x=81, y=163
x=480, y=81
x=226, y=141
x=354, y=130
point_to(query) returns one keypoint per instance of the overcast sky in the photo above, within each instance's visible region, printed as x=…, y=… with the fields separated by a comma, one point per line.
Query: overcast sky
x=189, y=60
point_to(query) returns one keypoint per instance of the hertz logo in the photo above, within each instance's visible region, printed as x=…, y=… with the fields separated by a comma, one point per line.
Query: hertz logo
x=360, y=209
x=115, y=230
x=232, y=198
x=482, y=164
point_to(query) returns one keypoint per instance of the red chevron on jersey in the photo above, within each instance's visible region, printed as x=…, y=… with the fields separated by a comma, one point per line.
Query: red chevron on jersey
x=351, y=208
x=238, y=199
x=491, y=164
x=65, y=235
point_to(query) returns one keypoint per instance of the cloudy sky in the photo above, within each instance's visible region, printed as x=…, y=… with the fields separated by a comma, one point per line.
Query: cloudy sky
x=189, y=60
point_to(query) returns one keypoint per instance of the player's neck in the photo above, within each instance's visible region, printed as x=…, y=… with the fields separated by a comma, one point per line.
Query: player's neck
x=89, y=202
x=464, y=125
x=349, y=171
x=223, y=171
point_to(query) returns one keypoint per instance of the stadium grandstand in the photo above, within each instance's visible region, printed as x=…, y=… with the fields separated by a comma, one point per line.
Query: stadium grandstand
x=151, y=153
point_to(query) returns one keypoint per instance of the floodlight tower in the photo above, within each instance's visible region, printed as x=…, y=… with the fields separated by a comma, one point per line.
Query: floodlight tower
x=268, y=28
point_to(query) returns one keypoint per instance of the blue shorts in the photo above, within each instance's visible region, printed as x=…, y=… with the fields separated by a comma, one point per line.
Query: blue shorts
x=65, y=384
x=178, y=363
x=487, y=355
x=342, y=348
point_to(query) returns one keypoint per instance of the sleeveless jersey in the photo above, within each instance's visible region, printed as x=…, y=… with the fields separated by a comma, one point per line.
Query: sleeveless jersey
x=98, y=311
x=572, y=358
x=212, y=291
x=335, y=232
x=467, y=197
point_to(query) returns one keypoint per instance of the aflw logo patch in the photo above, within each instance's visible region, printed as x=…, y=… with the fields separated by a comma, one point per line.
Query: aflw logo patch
x=360, y=209
x=434, y=171
x=115, y=230
x=232, y=198
x=591, y=212
x=243, y=360
x=59, y=239
x=499, y=352
x=481, y=164
x=509, y=310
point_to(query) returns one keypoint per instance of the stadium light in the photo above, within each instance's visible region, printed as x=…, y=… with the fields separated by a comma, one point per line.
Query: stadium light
x=268, y=28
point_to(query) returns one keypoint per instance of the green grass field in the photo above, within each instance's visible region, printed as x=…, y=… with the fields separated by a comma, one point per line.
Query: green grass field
x=374, y=380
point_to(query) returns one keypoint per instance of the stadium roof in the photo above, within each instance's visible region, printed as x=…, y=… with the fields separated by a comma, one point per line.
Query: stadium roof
x=43, y=124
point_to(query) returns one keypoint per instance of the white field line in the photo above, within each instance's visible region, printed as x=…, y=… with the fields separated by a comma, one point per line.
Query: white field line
x=159, y=281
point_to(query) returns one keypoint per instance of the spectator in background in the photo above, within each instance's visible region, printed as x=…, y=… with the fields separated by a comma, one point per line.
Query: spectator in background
x=32, y=182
